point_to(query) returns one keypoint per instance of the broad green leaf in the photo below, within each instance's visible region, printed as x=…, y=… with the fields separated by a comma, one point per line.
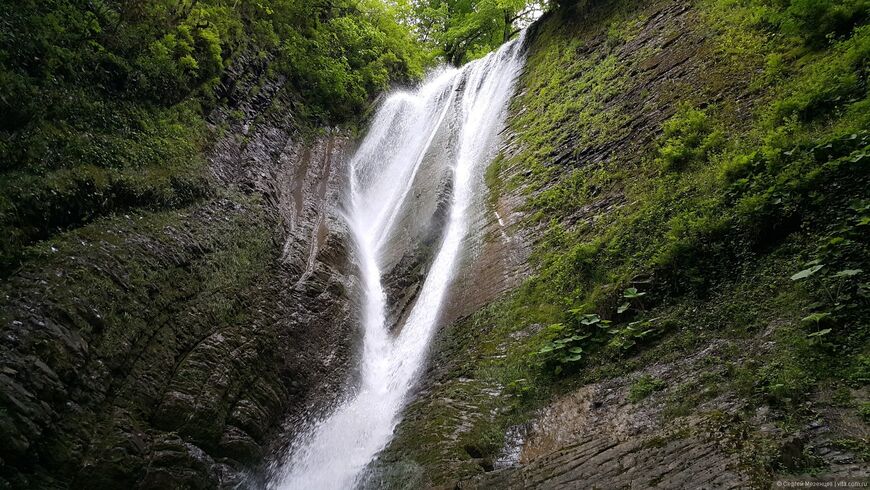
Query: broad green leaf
x=807, y=272
x=556, y=327
x=575, y=350
x=590, y=319
x=623, y=308
x=573, y=358
x=848, y=273
x=820, y=333
x=632, y=293
x=815, y=317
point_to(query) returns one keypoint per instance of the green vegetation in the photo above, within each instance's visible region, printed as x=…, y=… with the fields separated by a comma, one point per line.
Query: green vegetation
x=645, y=386
x=704, y=205
x=104, y=102
x=462, y=30
x=744, y=216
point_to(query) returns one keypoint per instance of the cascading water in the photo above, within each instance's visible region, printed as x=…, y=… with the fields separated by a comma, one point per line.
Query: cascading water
x=469, y=103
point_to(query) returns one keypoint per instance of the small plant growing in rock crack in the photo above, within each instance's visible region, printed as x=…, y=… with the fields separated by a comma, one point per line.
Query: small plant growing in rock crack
x=817, y=319
x=519, y=387
x=585, y=332
x=566, y=347
x=837, y=288
x=833, y=287
x=645, y=386
x=631, y=294
x=625, y=338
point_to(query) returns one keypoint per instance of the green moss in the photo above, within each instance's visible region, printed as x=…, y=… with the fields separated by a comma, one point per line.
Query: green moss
x=688, y=139
x=677, y=219
x=644, y=386
x=105, y=103
x=569, y=102
x=708, y=221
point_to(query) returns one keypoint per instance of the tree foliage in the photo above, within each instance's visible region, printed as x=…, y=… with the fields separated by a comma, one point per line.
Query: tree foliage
x=462, y=30
x=163, y=51
x=104, y=101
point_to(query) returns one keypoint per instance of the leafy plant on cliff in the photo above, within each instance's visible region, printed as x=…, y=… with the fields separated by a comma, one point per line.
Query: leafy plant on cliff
x=728, y=196
x=712, y=241
x=104, y=102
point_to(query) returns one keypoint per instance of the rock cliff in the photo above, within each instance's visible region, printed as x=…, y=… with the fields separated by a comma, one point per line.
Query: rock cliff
x=159, y=349
x=697, y=405
x=671, y=173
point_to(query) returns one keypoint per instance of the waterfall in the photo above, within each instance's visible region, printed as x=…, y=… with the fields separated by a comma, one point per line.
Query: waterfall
x=468, y=105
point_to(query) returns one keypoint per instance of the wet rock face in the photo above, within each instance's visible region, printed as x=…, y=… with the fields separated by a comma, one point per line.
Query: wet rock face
x=160, y=350
x=593, y=437
x=599, y=436
x=131, y=333
x=496, y=249
x=494, y=252
x=404, y=279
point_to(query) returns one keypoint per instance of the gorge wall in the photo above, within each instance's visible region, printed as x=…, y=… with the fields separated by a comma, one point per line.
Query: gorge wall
x=707, y=379
x=156, y=349
x=668, y=168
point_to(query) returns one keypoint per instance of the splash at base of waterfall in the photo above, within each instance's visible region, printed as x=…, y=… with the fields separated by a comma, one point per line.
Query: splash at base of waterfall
x=470, y=104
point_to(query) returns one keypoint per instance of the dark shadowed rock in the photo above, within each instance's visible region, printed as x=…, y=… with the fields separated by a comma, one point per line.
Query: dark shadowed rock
x=163, y=350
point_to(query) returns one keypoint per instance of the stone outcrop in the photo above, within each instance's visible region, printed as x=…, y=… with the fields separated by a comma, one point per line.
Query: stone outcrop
x=598, y=436
x=164, y=349
x=601, y=437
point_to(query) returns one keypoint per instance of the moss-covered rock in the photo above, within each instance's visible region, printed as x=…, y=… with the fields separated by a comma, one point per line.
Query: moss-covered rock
x=677, y=173
x=166, y=346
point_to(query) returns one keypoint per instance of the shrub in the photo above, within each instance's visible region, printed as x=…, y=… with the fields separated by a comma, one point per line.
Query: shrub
x=689, y=137
x=817, y=21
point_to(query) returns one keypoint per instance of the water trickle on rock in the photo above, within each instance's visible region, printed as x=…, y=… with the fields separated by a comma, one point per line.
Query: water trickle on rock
x=468, y=106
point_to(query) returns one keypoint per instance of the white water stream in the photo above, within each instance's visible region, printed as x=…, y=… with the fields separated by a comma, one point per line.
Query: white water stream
x=470, y=103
